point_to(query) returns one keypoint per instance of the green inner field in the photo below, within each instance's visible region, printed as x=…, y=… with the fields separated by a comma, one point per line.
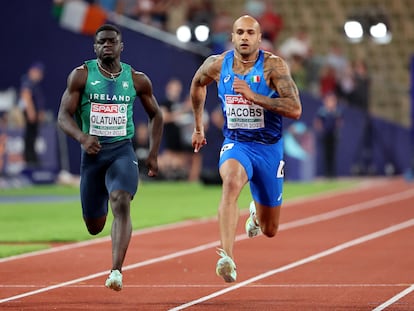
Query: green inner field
x=37, y=217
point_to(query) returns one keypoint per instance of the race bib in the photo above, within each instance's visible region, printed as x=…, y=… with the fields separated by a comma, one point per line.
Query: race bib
x=108, y=119
x=242, y=113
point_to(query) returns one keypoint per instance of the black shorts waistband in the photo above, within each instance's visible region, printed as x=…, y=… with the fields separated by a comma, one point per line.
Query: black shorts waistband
x=115, y=144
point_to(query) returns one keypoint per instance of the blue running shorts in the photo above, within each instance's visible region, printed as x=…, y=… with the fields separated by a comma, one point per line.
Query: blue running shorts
x=115, y=167
x=264, y=167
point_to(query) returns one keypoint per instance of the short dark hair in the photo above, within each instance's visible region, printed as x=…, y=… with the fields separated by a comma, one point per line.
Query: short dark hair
x=108, y=27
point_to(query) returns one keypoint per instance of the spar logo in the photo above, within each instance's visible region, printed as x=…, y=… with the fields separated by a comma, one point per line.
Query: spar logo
x=237, y=100
x=108, y=108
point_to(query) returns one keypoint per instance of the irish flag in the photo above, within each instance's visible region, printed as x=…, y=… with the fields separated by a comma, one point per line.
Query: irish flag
x=81, y=17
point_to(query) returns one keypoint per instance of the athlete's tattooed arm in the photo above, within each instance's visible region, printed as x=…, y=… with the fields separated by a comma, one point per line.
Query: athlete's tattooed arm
x=278, y=77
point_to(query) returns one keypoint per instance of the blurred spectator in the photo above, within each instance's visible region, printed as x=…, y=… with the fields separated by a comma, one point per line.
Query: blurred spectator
x=360, y=98
x=313, y=65
x=141, y=147
x=327, y=80
x=299, y=44
x=210, y=173
x=176, y=14
x=337, y=59
x=32, y=102
x=159, y=13
x=149, y=12
x=327, y=123
x=3, y=141
x=362, y=82
x=299, y=143
x=171, y=109
x=193, y=160
x=177, y=160
x=143, y=11
x=271, y=23
x=11, y=115
x=255, y=8
x=172, y=160
x=221, y=27
x=346, y=84
x=128, y=8
x=200, y=12
x=217, y=118
x=298, y=71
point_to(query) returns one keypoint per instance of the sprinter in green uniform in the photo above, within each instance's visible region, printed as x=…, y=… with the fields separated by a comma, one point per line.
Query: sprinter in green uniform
x=96, y=110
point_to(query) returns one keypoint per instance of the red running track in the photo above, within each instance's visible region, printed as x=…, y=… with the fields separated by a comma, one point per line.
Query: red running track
x=351, y=250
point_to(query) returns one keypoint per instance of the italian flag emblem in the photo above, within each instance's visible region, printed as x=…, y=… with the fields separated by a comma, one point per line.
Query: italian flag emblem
x=255, y=79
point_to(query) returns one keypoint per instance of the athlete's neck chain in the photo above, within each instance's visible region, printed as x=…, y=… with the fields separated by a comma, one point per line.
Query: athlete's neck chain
x=246, y=61
x=112, y=75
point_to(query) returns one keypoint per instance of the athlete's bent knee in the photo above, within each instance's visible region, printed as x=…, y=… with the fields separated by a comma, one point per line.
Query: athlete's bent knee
x=120, y=201
x=269, y=230
x=120, y=197
x=232, y=184
x=93, y=230
x=95, y=226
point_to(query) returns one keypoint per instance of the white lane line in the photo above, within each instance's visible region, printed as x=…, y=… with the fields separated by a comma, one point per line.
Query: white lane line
x=222, y=285
x=351, y=209
x=294, y=224
x=94, y=241
x=303, y=261
x=291, y=203
x=59, y=285
x=128, y=267
x=360, y=187
x=397, y=297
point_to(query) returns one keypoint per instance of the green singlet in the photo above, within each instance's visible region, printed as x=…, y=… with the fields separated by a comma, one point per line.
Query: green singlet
x=107, y=105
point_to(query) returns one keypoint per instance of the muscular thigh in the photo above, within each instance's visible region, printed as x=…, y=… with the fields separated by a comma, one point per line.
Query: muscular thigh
x=238, y=151
x=113, y=168
x=263, y=165
x=93, y=192
x=122, y=173
x=266, y=183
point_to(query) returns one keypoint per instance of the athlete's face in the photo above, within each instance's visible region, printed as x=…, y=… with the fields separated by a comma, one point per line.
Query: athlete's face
x=246, y=35
x=108, y=45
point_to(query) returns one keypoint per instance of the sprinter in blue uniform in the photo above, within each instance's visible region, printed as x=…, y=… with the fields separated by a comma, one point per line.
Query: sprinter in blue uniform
x=256, y=90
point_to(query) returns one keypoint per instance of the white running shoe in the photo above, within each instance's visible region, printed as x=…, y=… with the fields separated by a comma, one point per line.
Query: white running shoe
x=114, y=280
x=226, y=268
x=252, y=228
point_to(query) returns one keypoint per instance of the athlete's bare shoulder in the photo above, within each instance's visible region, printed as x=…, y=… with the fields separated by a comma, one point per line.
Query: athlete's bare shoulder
x=81, y=67
x=278, y=77
x=210, y=69
x=142, y=82
x=214, y=60
x=77, y=78
x=275, y=67
x=274, y=62
x=138, y=74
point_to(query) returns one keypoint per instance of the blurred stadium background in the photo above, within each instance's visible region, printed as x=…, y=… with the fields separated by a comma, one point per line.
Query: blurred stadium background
x=36, y=31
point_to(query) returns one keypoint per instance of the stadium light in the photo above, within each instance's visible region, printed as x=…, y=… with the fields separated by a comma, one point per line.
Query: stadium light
x=201, y=33
x=380, y=33
x=183, y=33
x=354, y=30
x=371, y=23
